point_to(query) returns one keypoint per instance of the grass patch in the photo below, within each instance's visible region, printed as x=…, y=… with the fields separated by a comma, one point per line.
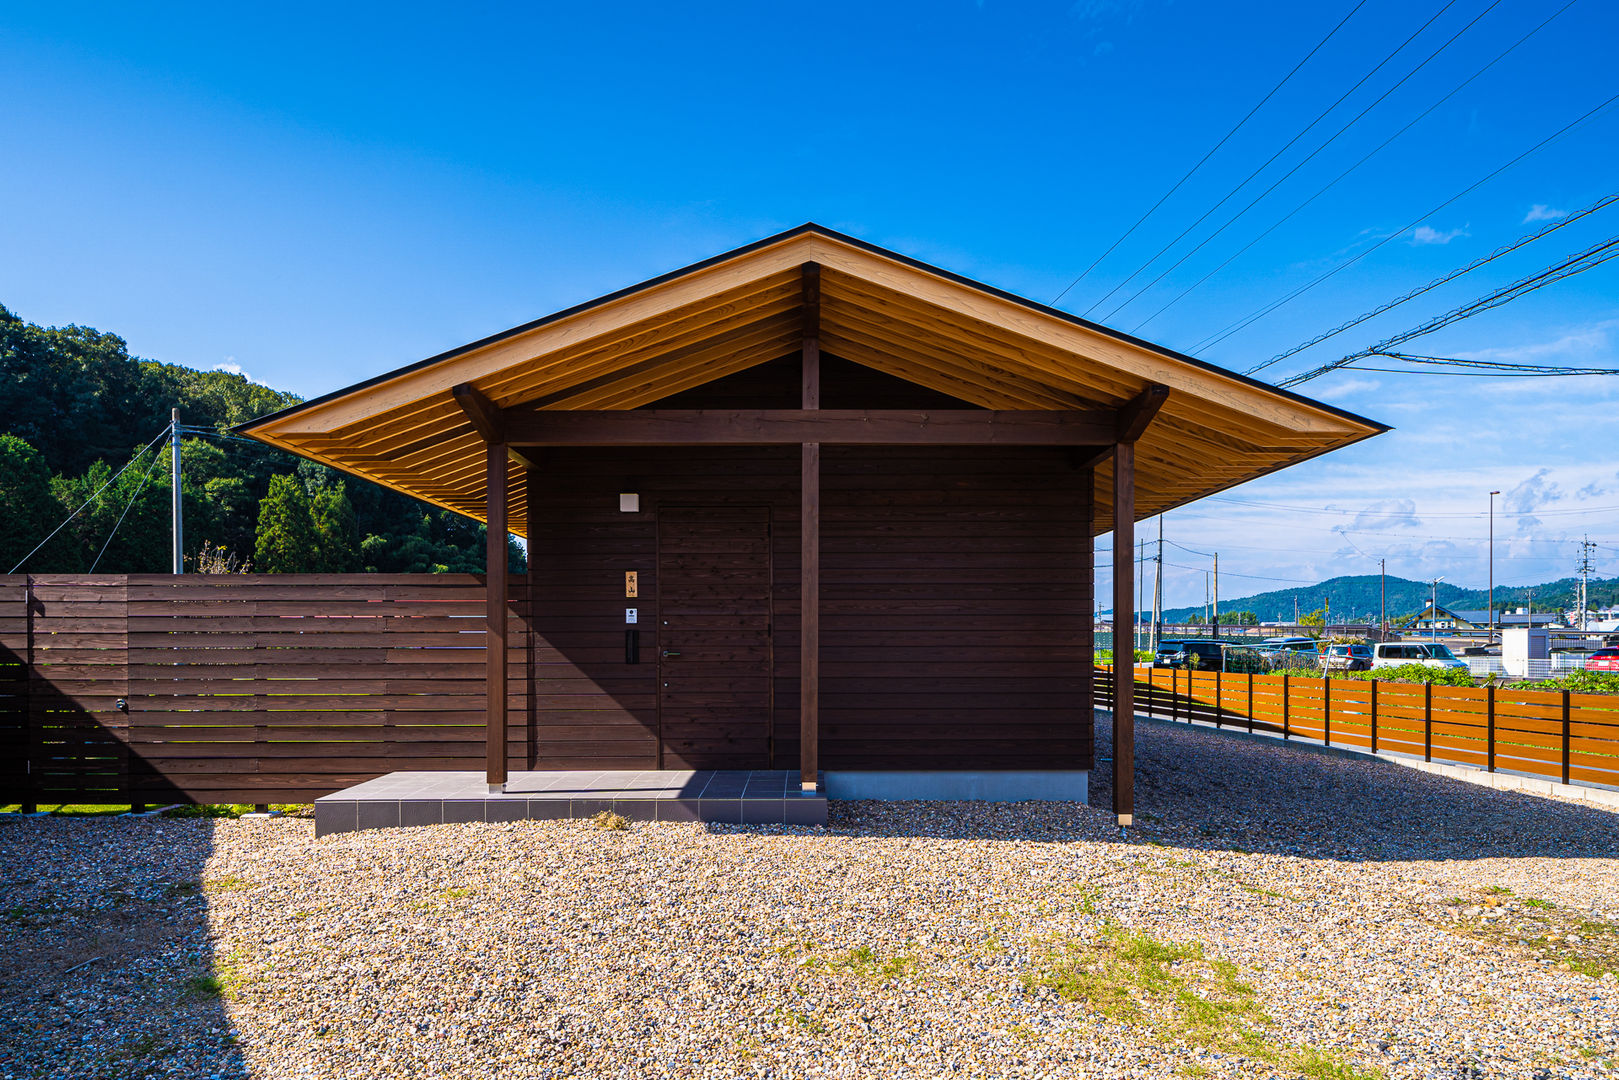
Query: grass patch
x=73, y=809
x=1535, y=927
x=1539, y=904
x=606, y=819
x=228, y=883
x=1321, y=1065
x=1134, y=978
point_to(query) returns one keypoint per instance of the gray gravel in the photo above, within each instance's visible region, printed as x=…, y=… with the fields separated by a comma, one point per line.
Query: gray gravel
x=1277, y=913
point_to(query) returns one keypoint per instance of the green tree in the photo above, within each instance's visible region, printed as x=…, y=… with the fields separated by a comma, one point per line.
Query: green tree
x=28, y=511
x=336, y=528
x=287, y=541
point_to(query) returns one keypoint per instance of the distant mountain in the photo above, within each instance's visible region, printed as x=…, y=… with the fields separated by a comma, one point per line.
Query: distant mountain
x=1356, y=598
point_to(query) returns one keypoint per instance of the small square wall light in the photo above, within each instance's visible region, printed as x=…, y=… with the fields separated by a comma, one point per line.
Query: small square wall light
x=629, y=502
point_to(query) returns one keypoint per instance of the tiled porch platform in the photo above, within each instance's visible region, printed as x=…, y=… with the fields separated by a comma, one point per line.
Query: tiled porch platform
x=735, y=797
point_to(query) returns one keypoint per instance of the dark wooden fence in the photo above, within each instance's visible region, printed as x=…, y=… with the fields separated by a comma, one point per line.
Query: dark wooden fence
x=153, y=689
x=1571, y=738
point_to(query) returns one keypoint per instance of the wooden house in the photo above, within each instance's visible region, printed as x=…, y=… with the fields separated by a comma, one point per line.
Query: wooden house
x=813, y=504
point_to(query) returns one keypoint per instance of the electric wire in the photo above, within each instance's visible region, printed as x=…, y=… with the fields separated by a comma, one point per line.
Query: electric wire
x=1204, y=159
x=1253, y=317
x=1373, y=153
x=1589, y=259
x=129, y=506
x=1267, y=163
x=1490, y=369
x=1600, y=204
x=1352, y=121
x=138, y=455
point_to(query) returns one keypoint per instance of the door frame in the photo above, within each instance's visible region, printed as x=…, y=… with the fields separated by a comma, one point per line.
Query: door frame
x=770, y=609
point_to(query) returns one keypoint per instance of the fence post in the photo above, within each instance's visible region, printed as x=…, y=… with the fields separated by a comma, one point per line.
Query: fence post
x=1374, y=715
x=1250, y=703
x=1174, y=695
x=1567, y=738
x=31, y=754
x=1326, y=709
x=1489, y=729
x=1285, y=699
x=1427, y=721
x=1219, y=698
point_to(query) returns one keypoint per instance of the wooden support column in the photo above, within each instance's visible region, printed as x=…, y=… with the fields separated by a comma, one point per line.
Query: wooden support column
x=495, y=642
x=809, y=517
x=490, y=421
x=1131, y=424
x=531, y=490
x=1124, y=606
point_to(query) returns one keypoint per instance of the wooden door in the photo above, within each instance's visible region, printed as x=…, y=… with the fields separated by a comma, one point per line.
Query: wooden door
x=714, y=655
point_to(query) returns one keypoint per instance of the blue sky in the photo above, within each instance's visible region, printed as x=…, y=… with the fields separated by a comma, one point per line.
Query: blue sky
x=314, y=196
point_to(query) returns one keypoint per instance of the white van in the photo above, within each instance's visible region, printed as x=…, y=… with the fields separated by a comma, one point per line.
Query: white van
x=1428, y=654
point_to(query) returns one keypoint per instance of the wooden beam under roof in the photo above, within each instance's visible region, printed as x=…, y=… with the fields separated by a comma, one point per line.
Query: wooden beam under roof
x=766, y=427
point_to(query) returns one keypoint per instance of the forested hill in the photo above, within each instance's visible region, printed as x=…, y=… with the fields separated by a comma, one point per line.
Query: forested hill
x=1356, y=597
x=76, y=407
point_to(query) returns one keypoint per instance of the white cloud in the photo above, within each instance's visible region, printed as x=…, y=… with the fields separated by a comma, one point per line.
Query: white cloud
x=231, y=367
x=1426, y=235
x=1541, y=212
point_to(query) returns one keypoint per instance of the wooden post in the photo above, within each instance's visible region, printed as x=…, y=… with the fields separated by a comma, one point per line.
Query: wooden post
x=809, y=525
x=1489, y=729
x=1250, y=677
x=1219, y=697
x=495, y=596
x=531, y=489
x=1326, y=709
x=1285, y=704
x=1568, y=740
x=1374, y=715
x=1124, y=606
x=1427, y=721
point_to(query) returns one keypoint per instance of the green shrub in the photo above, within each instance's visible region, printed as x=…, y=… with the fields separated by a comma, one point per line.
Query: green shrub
x=1579, y=682
x=1412, y=673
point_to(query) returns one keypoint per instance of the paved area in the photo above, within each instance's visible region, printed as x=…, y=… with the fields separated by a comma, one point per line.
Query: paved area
x=734, y=797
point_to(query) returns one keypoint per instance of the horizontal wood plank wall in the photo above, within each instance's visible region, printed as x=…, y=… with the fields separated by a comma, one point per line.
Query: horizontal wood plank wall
x=956, y=591
x=255, y=688
x=1524, y=731
x=14, y=678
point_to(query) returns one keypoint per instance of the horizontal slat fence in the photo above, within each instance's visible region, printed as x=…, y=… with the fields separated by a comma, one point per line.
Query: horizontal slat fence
x=243, y=688
x=1562, y=736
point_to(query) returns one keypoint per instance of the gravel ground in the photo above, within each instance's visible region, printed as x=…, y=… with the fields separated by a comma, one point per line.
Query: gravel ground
x=1277, y=913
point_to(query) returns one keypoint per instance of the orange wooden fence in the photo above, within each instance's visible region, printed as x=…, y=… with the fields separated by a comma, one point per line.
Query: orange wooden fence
x=1572, y=738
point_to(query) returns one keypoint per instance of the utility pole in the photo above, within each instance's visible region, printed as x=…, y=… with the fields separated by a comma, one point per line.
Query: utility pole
x=1433, y=611
x=1585, y=573
x=1216, y=594
x=1493, y=494
x=1295, y=611
x=1135, y=610
x=1382, y=600
x=1158, y=588
x=179, y=524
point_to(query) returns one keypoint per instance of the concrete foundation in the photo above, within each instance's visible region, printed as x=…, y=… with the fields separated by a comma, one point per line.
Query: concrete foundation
x=1056, y=785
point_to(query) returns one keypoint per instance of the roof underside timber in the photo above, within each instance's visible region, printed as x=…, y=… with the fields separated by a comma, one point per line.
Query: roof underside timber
x=405, y=430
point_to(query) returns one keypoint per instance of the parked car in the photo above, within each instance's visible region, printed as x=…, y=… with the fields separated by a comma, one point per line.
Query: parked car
x=1347, y=658
x=1290, y=652
x=1429, y=654
x=1174, y=654
x=1603, y=660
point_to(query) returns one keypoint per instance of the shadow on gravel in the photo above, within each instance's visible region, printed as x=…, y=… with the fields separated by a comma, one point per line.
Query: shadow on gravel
x=107, y=969
x=1204, y=789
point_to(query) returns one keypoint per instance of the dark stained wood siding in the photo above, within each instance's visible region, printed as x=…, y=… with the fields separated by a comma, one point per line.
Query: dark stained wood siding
x=956, y=598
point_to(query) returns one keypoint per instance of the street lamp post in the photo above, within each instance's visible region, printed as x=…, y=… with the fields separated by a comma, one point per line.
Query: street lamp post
x=1433, y=610
x=1493, y=494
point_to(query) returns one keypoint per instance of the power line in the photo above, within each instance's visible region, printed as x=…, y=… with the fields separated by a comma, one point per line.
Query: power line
x=138, y=455
x=1489, y=369
x=1267, y=163
x=1253, y=317
x=1588, y=259
x=140, y=488
x=1204, y=159
x=1232, y=220
x=1602, y=203
x=1458, y=88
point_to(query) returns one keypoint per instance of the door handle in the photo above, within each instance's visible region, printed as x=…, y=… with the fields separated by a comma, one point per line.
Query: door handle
x=670, y=652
